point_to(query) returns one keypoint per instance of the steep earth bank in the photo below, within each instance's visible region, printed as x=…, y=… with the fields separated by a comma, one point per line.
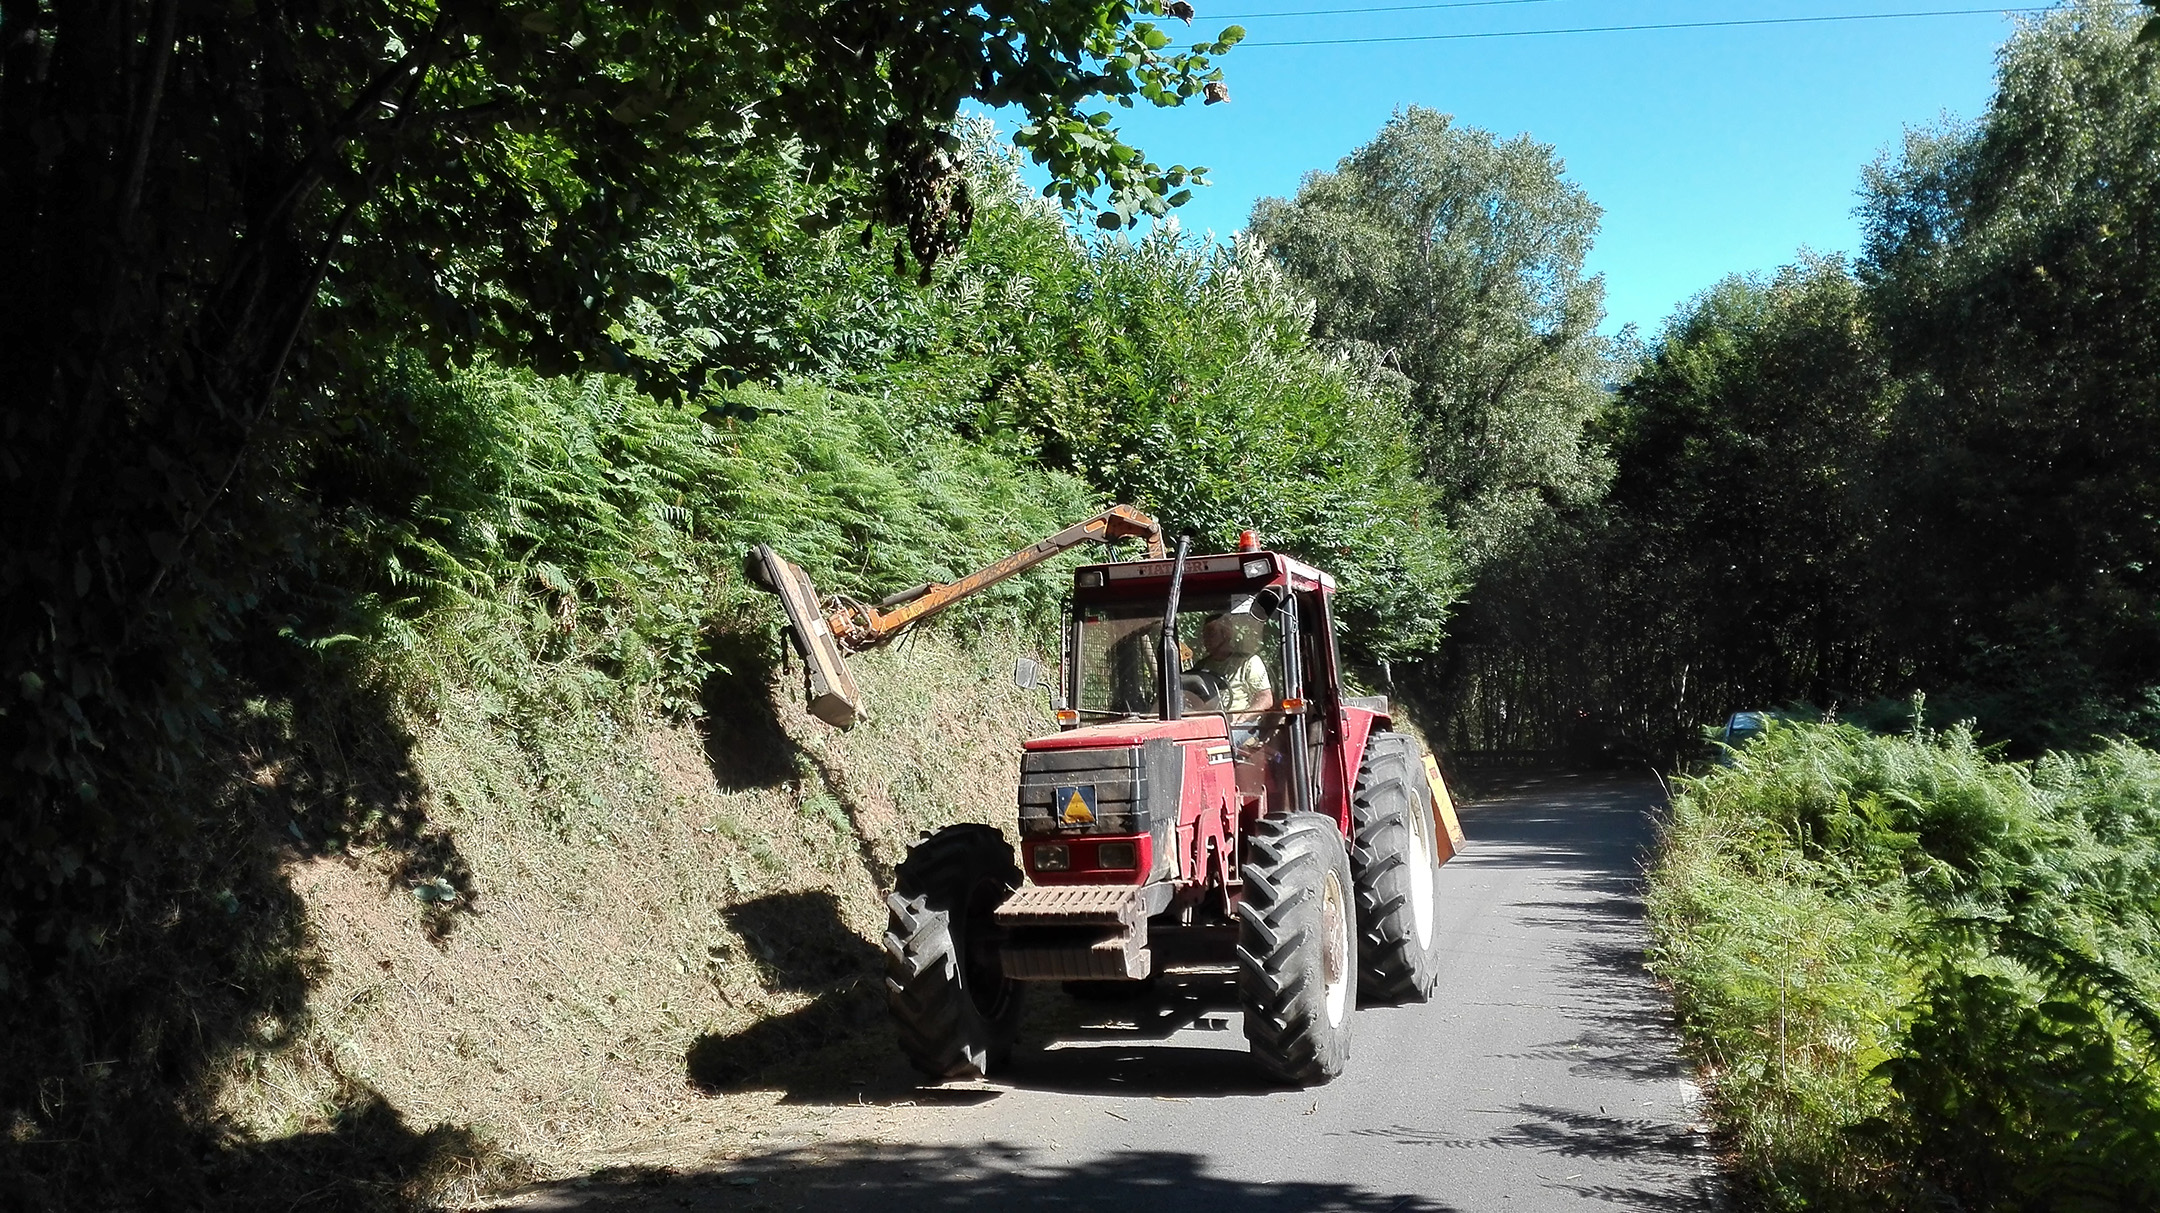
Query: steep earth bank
x=668, y=909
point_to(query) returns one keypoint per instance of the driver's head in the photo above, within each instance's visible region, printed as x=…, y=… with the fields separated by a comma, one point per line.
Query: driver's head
x=1228, y=634
x=1215, y=633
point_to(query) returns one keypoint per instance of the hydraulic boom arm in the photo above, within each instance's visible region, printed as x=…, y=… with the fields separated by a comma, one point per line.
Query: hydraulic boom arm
x=825, y=639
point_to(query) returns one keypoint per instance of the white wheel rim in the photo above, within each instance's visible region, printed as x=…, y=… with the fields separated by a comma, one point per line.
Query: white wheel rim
x=1334, y=950
x=1421, y=877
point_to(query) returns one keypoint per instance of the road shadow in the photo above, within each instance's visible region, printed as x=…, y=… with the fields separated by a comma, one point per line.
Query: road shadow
x=876, y=1178
x=839, y=1049
x=1591, y=856
x=1657, y=1150
x=1604, y=840
x=1126, y=1048
x=1664, y=1148
x=1605, y=828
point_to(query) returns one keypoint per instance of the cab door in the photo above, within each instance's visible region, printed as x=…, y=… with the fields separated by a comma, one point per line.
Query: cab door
x=1295, y=735
x=1322, y=718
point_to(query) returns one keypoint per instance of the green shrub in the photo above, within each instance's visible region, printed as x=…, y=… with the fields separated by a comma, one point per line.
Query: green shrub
x=571, y=549
x=1176, y=374
x=1915, y=974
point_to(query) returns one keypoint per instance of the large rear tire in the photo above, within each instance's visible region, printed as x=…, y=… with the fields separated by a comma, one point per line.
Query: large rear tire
x=956, y=1010
x=1395, y=858
x=1297, y=962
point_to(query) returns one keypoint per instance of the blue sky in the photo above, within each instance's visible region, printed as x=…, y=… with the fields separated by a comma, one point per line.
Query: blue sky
x=1712, y=151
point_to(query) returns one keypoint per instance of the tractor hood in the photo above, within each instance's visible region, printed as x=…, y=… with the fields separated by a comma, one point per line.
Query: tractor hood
x=1131, y=732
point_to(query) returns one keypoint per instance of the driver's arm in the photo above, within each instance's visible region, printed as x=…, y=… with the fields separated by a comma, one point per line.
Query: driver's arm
x=1251, y=690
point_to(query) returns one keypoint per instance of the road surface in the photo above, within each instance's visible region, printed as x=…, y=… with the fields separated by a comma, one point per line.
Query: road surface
x=1543, y=1075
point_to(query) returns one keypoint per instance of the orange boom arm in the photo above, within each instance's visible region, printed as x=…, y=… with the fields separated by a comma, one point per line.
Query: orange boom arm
x=825, y=639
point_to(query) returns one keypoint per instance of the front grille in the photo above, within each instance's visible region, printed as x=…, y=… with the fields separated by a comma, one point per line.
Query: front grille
x=1118, y=777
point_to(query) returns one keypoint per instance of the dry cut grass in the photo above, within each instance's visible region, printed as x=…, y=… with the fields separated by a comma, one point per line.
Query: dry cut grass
x=637, y=903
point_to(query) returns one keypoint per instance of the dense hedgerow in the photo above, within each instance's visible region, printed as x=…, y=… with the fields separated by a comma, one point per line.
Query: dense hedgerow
x=580, y=524
x=1919, y=977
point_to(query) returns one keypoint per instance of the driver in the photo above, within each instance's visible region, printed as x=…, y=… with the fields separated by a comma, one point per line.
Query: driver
x=1230, y=650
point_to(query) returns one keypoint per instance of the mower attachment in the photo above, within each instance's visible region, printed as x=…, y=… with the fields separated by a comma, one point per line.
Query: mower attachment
x=1075, y=933
x=824, y=640
x=833, y=697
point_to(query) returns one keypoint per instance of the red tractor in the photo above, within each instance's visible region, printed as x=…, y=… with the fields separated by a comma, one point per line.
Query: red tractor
x=1212, y=802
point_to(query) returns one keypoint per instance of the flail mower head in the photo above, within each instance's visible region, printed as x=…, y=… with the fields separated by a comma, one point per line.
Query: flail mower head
x=833, y=697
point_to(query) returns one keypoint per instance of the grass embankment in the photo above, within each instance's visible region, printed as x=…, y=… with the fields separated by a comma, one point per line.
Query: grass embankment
x=645, y=875
x=659, y=919
x=1917, y=977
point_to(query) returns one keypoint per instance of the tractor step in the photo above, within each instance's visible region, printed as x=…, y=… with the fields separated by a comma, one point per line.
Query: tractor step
x=1075, y=933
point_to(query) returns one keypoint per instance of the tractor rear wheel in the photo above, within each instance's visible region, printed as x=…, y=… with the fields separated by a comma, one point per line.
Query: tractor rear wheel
x=956, y=1010
x=1297, y=962
x=1395, y=858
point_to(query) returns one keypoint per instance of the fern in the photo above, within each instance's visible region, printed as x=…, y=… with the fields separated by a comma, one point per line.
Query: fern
x=1984, y=938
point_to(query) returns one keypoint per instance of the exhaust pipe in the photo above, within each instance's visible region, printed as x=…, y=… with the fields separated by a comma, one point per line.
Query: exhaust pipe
x=1173, y=694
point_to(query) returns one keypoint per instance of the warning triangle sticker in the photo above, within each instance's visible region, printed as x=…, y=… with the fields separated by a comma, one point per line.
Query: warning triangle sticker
x=1077, y=811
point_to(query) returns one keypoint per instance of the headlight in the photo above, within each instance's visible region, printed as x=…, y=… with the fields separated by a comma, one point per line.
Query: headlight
x=1089, y=579
x=1051, y=857
x=1121, y=855
x=1258, y=568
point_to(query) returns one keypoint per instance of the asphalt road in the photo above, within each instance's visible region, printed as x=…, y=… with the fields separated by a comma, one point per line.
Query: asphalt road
x=1542, y=1076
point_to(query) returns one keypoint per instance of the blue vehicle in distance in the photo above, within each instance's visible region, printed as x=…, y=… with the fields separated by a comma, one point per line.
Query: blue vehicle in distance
x=1740, y=728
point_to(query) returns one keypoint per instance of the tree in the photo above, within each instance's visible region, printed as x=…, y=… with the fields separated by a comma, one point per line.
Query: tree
x=208, y=210
x=2015, y=265
x=1746, y=504
x=1730, y=565
x=215, y=214
x=1939, y=471
x=1461, y=255
x=1184, y=377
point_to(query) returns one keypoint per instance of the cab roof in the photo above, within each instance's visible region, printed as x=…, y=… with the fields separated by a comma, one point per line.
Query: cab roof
x=1135, y=574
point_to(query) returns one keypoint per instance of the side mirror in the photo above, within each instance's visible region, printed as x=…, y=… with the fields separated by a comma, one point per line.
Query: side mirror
x=1028, y=674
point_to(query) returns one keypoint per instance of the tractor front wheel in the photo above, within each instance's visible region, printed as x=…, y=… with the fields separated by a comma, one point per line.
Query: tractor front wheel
x=1297, y=960
x=955, y=1009
x=1396, y=860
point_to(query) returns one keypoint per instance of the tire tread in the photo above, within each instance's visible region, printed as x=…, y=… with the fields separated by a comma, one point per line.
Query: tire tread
x=1393, y=968
x=940, y=1029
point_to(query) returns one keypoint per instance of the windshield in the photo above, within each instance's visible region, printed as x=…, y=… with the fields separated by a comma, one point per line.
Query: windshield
x=1229, y=656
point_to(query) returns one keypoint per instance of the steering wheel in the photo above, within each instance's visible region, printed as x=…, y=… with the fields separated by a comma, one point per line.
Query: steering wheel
x=1206, y=686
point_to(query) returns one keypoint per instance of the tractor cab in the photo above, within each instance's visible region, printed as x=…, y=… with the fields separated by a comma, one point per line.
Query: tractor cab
x=1254, y=649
